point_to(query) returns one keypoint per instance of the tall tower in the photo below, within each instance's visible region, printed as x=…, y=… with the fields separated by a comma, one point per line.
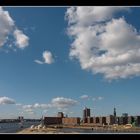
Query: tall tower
x=114, y=112
x=115, y=118
x=86, y=112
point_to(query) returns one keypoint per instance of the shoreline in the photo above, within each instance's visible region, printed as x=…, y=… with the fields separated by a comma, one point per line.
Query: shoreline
x=78, y=130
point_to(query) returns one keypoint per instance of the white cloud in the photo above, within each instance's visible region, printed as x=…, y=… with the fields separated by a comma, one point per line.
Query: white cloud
x=29, y=111
x=42, y=106
x=84, y=97
x=61, y=102
x=89, y=15
x=18, y=104
x=27, y=106
x=36, y=106
x=38, y=61
x=111, y=48
x=22, y=40
x=97, y=98
x=6, y=100
x=100, y=98
x=47, y=58
x=8, y=27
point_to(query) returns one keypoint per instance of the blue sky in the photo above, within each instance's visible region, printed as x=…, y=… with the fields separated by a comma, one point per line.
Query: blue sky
x=33, y=85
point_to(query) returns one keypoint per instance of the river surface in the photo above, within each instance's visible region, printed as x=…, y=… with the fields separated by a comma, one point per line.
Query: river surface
x=90, y=131
x=15, y=127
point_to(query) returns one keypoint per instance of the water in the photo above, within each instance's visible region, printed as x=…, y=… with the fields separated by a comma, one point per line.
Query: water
x=82, y=130
x=15, y=127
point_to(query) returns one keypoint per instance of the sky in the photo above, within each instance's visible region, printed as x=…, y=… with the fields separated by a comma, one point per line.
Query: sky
x=66, y=58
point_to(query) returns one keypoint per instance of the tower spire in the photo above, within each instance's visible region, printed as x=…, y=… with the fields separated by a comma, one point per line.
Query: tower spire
x=114, y=112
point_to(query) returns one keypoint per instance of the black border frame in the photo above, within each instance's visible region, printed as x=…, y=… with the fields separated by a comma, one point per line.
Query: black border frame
x=52, y=3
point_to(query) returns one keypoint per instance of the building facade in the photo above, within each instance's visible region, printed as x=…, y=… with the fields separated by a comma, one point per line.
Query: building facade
x=86, y=113
x=110, y=120
x=71, y=121
x=90, y=120
x=60, y=114
x=52, y=120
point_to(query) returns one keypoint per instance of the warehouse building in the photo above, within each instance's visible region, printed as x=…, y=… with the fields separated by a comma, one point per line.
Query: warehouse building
x=71, y=121
x=52, y=120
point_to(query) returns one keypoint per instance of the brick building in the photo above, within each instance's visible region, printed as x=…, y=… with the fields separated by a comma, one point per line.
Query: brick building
x=110, y=120
x=52, y=120
x=131, y=119
x=102, y=120
x=60, y=114
x=71, y=121
x=85, y=120
x=86, y=112
x=90, y=120
x=137, y=120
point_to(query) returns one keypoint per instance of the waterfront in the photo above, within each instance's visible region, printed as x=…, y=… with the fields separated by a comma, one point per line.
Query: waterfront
x=15, y=127
x=76, y=130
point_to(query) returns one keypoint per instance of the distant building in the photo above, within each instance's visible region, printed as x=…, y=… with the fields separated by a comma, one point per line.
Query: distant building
x=97, y=120
x=60, y=114
x=131, y=119
x=137, y=120
x=110, y=120
x=94, y=120
x=20, y=118
x=85, y=120
x=123, y=120
x=115, y=116
x=102, y=120
x=71, y=121
x=125, y=115
x=114, y=112
x=90, y=120
x=52, y=120
x=86, y=112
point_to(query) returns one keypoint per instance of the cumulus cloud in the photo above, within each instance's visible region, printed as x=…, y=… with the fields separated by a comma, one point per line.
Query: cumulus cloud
x=61, y=102
x=84, y=97
x=56, y=103
x=6, y=100
x=29, y=111
x=100, y=98
x=43, y=106
x=89, y=15
x=47, y=58
x=22, y=40
x=27, y=106
x=8, y=27
x=104, y=44
x=18, y=104
x=36, y=106
x=97, y=98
